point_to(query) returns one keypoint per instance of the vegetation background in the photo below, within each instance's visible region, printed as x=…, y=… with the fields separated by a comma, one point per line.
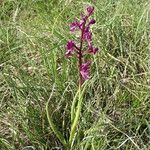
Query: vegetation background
x=116, y=108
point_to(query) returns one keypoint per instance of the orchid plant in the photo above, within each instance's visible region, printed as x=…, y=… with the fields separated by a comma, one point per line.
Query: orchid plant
x=86, y=36
x=78, y=49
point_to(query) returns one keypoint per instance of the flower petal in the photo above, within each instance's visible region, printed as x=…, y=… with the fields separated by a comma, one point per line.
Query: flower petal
x=74, y=25
x=90, y=10
x=87, y=36
x=85, y=75
x=92, y=21
x=70, y=46
x=84, y=70
x=93, y=50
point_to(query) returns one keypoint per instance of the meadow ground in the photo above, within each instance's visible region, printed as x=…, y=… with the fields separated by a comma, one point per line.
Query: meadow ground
x=116, y=108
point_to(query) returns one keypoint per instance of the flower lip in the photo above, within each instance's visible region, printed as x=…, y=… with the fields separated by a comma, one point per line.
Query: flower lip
x=84, y=70
x=86, y=65
x=70, y=46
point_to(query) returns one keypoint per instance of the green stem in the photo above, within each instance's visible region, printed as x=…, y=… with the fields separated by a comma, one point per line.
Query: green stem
x=77, y=115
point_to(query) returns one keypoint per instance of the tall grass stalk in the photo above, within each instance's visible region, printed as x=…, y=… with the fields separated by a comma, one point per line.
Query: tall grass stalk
x=51, y=123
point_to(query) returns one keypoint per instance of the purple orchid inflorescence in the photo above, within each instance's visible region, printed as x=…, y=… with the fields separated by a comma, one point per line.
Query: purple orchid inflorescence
x=86, y=36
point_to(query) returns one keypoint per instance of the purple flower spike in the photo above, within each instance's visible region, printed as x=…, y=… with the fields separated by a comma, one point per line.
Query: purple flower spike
x=85, y=43
x=70, y=48
x=84, y=70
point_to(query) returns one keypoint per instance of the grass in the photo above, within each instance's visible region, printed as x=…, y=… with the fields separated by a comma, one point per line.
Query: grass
x=116, y=106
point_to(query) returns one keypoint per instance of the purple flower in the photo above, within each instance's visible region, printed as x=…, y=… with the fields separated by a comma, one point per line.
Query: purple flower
x=90, y=10
x=74, y=25
x=87, y=36
x=93, y=50
x=92, y=21
x=84, y=70
x=70, y=48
